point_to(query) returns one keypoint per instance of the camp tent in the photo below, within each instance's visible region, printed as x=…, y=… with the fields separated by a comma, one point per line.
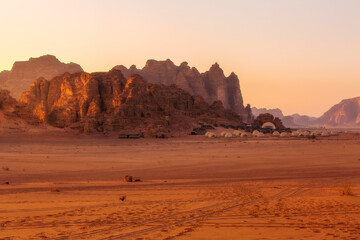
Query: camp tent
x=237, y=133
x=222, y=134
x=276, y=134
x=260, y=134
x=325, y=134
x=295, y=134
x=244, y=134
x=211, y=135
x=283, y=134
x=255, y=132
x=228, y=135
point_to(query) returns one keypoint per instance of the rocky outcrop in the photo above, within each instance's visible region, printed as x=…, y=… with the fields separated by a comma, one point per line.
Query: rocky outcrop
x=106, y=102
x=3, y=77
x=344, y=114
x=276, y=112
x=294, y=120
x=267, y=117
x=24, y=73
x=10, y=109
x=212, y=85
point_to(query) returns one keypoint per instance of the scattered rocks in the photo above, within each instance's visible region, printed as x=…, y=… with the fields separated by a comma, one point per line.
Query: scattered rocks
x=128, y=179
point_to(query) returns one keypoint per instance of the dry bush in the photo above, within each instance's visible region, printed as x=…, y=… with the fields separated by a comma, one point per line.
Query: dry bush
x=122, y=198
x=54, y=189
x=346, y=190
x=5, y=168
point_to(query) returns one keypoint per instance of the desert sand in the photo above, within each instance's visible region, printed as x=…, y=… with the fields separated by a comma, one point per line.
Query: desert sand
x=70, y=187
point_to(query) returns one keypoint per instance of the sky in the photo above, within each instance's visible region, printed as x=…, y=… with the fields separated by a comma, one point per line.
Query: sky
x=301, y=56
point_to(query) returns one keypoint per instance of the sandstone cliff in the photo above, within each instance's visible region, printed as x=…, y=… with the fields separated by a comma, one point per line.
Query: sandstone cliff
x=105, y=102
x=346, y=113
x=4, y=76
x=24, y=73
x=212, y=85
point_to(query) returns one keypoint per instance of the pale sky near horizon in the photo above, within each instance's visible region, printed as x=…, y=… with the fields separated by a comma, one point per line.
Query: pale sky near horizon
x=301, y=56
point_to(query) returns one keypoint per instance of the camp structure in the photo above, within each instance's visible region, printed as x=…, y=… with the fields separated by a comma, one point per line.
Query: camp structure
x=222, y=134
x=211, y=135
x=325, y=134
x=334, y=133
x=255, y=133
x=304, y=134
x=268, y=125
x=276, y=134
x=244, y=134
x=295, y=134
x=260, y=134
x=228, y=135
x=284, y=134
x=237, y=133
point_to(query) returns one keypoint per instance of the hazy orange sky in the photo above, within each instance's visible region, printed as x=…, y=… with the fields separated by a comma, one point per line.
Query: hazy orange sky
x=298, y=55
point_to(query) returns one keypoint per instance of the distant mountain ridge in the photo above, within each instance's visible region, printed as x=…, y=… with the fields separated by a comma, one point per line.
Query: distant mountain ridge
x=346, y=113
x=276, y=112
x=24, y=73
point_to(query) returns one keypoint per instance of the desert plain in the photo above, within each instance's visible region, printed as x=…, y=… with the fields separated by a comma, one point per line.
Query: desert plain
x=61, y=186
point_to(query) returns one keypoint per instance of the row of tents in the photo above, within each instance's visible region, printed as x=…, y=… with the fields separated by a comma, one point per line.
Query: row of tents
x=256, y=133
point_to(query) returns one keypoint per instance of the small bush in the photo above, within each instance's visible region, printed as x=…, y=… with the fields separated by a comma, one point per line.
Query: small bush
x=346, y=190
x=54, y=189
x=5, y=168
x=122, y=198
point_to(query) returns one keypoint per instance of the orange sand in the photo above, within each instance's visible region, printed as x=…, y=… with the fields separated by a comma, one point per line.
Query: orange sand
x=192, y=188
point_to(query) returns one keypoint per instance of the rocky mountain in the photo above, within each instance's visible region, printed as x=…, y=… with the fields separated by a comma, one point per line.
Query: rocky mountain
x=11, y=110
x=4, y=76
x=212, y=85
x=24, y=73
x=346, y=113
x=275, y=112
x=105, y=102
x=294, y=120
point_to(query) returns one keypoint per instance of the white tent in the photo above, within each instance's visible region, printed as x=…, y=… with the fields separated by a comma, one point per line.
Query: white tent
x=334, y=133
x=255, y=132
x=237, y=133
x=228, y=135
x=245, y=134
x=295, y=134
x=284, y=134
x=222, y=134
x=276, y=134
x=325, y=134
x=260, y=134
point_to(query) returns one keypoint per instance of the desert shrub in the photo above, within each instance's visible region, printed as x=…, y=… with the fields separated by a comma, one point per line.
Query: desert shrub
x=346, y=190
x=122, y=198
x=5, y=168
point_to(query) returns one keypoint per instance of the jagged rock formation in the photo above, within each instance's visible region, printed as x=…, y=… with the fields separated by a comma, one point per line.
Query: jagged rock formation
x=105, y=102
x=294, y=120
x=303, y=120
x=276, y=112
x=212, y=85
x=11, y=110
x=345, y=113
x=4, y=76
x=24, y=73
x=267, y=117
